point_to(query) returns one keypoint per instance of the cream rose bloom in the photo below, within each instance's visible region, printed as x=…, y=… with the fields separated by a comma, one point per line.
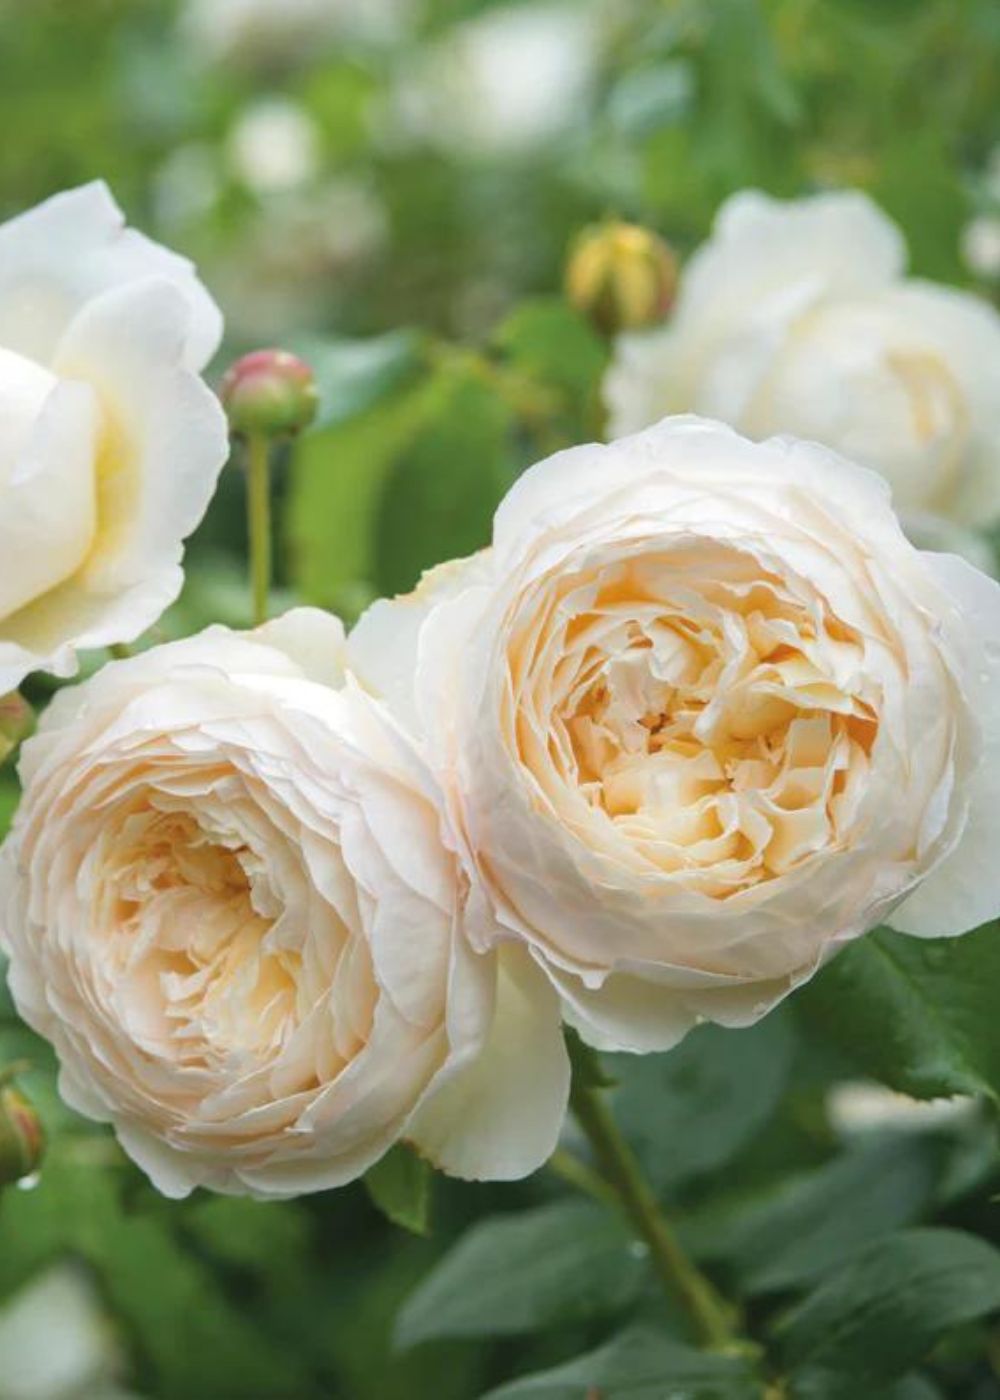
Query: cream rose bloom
x=796, y=318
x=110, y=443
x=231, y=901
x=704, y=715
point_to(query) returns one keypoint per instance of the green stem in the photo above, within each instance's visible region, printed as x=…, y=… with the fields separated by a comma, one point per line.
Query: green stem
x=120, y=651
x=259, y=521
x=711, y=1316
x=577, y=1174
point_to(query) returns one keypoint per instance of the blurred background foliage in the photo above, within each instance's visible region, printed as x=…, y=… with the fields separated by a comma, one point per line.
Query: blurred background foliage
x=390, y=187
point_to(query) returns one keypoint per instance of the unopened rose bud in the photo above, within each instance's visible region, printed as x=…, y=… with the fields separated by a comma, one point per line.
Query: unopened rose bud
x=17, y=720
x=621, y=276
x=270, y=392
x=22, y=1139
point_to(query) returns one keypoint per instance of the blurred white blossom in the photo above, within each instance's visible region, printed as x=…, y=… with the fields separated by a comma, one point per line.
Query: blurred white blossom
x=298, y=251
x=272, y=34
x=275, y=145
x=56, y=1342
x=186, y=186
x=259, y=32
x=859, y=1106
x=981, y=246
x=503, y=82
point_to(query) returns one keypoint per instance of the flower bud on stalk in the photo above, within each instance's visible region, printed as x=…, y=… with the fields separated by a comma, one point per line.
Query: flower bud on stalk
x=621, y=276
x=270, y=392
x=17, y=719
x=267, y=394
x=22, y=1139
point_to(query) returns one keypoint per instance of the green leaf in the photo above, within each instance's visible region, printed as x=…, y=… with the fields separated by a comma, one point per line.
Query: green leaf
x=400, y=1185
x=804, y=1226
x=918, y=1014
x=551, y=341
x=194, y=1340
x=518, y=1273
x=337, y=478
x=639, y=1365
x=689, y=1111
x=441, y=490
x=10, y=795
x=882, y=1313
x=354, y=375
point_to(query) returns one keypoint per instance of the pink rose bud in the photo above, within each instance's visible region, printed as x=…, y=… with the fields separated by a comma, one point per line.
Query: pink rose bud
x=22, y=1139
x=17, y=719
x=271, y=392
x=621, y=276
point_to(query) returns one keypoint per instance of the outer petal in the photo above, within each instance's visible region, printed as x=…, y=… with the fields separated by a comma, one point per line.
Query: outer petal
x=383, y=645
x=965, y=330
x=500, y=1118
x=57, y=257
x=964, y=890
x=310, y=637
x=165, y=442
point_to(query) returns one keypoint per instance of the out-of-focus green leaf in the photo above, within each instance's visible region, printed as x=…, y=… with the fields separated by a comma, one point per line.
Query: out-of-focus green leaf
x=797, y=1230
x=518, y=1273
x=337, y=478
x=400, y=1185
x=440, y=492
x=883, y=1312
x=639, y=1365
x=918, y=1014
x=354, y=375
x=688, y=1111
x=192, y=1338
x=268, y=1237
x=549, y=340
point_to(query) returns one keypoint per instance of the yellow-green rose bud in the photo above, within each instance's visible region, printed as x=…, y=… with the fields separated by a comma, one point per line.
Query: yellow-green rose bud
x=22, y=1138
x=622, y=276
x=270, y=392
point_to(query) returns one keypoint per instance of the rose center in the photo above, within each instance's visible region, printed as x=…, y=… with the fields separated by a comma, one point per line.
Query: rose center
x=710, y=714
x=196, y=969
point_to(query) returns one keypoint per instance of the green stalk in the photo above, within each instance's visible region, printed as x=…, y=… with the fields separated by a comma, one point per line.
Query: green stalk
x=259, y=522
x=712, y=1318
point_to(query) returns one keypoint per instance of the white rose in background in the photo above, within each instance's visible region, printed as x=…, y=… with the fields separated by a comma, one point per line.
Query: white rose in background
x=267, y=34
x=110, y=443
x=230, y=902
x=503, y=82
x=259, y=32
x=275, y=146
x=58, y=1341
x=704, y=715
x=796, y=317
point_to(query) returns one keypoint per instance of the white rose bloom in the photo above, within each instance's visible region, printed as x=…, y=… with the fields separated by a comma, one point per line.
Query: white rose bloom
x=704, y=715
x=796, y=318
x=230, y=901
x=110, y=443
